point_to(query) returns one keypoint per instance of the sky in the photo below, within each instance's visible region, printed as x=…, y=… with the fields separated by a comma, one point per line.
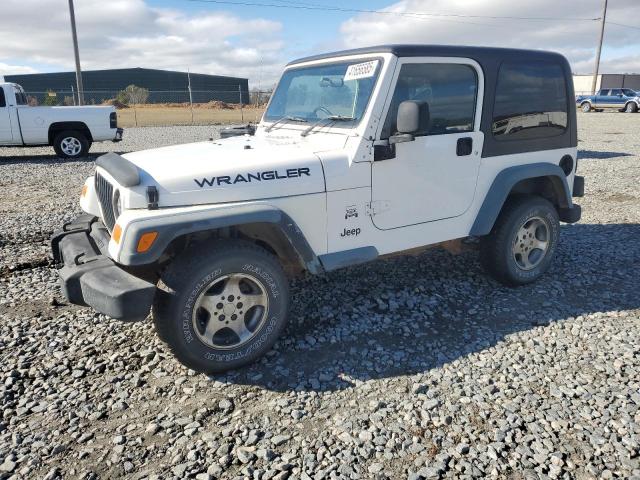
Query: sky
x=256, y=41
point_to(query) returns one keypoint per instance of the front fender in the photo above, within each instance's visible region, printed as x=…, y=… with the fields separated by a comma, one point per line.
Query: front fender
x=171, y=224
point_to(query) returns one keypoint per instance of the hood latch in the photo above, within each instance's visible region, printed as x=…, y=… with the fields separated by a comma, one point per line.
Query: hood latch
x=152, y=197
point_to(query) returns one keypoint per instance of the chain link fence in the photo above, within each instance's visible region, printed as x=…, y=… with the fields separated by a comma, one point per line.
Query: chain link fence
x=140, y=107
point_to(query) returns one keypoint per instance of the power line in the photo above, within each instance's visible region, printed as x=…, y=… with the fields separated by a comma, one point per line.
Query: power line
x=623, y=25
x=327, y=8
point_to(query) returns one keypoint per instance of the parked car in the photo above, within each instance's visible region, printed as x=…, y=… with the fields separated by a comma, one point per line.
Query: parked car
x=70, y=130
x=360, y=154
x=622, y=99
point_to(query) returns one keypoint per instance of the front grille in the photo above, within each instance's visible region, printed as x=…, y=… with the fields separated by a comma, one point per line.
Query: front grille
x=104, y=191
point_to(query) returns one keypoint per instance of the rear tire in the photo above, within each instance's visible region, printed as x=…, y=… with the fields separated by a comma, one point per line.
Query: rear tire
x=225, y=305
x=630, y=107
x=71, y=144
x=523, y=241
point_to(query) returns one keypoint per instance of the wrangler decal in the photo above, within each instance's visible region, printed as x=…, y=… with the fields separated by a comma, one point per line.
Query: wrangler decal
x=251, y=177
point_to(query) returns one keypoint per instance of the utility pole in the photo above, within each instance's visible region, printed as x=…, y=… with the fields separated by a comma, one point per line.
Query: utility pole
x=190, y=94
x=241, y=110
x=595, y=75
x=76, y=53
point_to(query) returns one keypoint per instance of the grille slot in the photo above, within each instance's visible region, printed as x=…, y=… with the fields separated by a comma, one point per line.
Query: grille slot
x=105, y=196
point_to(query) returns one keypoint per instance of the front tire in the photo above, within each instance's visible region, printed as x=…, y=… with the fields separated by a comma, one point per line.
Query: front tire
x=71, y=144
x=586, y=107
x=523, y=241
x=224, y=306
x=630, y=107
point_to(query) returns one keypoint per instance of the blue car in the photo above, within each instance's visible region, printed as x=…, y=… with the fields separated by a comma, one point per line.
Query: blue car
x=622, y=99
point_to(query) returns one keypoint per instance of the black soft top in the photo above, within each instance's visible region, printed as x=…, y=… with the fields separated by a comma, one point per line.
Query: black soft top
x=410, y=50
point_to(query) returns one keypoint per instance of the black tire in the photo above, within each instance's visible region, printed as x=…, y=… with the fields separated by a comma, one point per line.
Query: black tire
x=63, y=142
x=190, y=276
x=585, y=107
x=630, y=107
x=498, y=249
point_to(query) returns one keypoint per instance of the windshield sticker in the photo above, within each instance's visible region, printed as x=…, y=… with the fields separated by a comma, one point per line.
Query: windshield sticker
x=361, y=70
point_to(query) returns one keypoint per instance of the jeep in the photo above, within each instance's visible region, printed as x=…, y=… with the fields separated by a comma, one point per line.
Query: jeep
x=360, y=154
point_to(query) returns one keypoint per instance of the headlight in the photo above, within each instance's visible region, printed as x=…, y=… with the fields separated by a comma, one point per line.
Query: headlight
x=118, y=204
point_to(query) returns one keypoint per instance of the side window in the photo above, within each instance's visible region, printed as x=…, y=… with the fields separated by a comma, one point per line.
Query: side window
x=616, y=92
x=449, y=89
x=3, y=102
x=21, y=97
x=531, y=101
x=606, y=93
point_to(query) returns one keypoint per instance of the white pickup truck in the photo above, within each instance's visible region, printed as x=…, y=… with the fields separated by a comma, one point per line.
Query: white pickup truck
x=70, y=130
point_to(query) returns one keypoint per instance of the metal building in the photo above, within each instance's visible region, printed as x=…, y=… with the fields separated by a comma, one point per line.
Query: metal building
x=165, y=86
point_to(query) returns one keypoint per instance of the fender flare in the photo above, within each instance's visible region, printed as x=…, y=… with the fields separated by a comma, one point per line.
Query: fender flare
x=56, y=127
x=173, y=226
x=506, y=180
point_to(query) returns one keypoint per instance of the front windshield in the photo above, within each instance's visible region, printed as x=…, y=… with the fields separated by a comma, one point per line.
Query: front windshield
x=629, y=93
x=334, y=91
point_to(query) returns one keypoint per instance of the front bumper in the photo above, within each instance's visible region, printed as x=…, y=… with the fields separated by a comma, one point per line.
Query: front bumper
x=119, y=135
x=91, y=278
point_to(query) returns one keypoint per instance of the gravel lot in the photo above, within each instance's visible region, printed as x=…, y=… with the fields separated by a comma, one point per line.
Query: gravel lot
x=412, y=367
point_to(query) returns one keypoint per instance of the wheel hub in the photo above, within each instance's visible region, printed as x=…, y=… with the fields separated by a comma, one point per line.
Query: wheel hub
x=230, y=311
x=531, y=243
x=71, y=146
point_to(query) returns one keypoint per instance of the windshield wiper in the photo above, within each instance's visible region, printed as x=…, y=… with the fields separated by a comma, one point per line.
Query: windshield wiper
x=290, y=118
x=330, y=119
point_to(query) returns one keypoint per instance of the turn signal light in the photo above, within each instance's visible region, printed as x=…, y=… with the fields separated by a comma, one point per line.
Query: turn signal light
x=117, y=233
x=146, y=240
x=84, y=191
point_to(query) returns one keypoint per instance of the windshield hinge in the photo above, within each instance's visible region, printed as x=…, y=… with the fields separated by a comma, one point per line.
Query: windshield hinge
x=376, y=207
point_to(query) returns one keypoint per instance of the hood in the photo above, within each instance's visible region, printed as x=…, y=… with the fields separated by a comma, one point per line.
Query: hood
x=229, y=170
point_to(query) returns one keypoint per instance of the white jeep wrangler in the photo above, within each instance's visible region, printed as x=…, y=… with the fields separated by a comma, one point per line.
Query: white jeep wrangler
x=360, y=154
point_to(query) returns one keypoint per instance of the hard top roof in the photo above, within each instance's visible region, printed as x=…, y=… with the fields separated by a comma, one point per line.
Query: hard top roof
x=416, y=50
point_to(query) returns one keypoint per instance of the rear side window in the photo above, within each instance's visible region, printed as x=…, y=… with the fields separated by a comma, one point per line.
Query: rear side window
x=449, y=89
x=3, y=102
x=531, y=101
x=21, y=97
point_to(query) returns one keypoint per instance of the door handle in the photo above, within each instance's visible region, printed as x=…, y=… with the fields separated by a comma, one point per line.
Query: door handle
x=464, y=146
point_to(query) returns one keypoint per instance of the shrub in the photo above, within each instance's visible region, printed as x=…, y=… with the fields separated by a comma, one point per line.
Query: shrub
x=132, y=95
x=50, y=99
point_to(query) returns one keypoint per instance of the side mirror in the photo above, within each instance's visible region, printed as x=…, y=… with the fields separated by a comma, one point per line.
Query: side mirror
x=411, y=115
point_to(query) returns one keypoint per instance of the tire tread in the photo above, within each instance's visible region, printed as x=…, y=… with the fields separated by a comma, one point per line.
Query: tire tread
x=164, y=309
x=493, y=245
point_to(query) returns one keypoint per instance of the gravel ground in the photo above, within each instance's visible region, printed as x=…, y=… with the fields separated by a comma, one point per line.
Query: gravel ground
x=437, y=371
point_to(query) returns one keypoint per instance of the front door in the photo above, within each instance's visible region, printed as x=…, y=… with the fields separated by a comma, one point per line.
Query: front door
x=434, y=176
x=5, y=120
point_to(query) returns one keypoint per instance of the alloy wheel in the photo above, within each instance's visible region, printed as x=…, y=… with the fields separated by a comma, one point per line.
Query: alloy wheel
x=230, y=311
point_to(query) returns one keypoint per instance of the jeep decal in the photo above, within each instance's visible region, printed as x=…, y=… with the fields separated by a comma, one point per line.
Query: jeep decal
x=251, y=177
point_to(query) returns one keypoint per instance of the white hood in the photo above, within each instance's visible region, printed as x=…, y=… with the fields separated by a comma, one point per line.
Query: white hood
x=230, y=170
